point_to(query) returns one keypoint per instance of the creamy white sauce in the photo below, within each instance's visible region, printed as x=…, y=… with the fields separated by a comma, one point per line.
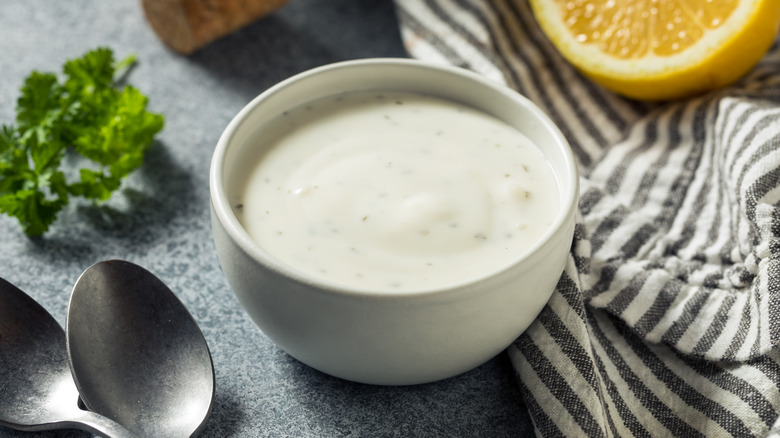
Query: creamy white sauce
x=395, y=191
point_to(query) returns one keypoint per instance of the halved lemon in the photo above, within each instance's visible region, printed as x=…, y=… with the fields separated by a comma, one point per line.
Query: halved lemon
x=660, y=49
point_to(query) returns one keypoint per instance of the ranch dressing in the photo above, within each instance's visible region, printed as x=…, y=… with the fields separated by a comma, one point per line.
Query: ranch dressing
x=395, y=191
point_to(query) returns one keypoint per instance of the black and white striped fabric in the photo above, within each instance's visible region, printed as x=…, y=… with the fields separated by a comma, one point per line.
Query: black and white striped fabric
x=666, y=321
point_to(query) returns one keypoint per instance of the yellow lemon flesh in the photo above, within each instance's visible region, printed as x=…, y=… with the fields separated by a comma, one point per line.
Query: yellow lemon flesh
x=660, y=49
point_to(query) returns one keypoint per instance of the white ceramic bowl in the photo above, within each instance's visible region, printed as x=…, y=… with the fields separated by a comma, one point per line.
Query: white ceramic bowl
x=391, y=338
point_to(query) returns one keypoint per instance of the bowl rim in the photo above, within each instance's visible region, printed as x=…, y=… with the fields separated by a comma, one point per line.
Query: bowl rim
x=235, y=231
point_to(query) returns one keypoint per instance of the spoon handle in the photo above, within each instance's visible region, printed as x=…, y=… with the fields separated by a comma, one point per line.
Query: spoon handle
x=100, y=425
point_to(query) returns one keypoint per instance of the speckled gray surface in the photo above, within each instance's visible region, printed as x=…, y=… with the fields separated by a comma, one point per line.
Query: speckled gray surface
x=160, y=218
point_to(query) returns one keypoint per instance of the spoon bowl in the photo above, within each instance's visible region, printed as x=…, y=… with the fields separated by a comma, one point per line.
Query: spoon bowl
x=36, y=387
x=137, y=355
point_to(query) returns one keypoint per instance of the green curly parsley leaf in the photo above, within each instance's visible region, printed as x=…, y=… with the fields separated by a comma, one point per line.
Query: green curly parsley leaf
x=107, y=126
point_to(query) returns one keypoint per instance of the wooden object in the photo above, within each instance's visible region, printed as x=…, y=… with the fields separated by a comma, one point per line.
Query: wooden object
x=187, y=25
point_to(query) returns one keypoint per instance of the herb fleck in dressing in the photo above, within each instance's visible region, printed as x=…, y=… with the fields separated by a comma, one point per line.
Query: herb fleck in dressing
x=395, y=192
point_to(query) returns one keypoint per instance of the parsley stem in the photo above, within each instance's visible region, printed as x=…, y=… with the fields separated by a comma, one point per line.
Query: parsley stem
x=122, y=69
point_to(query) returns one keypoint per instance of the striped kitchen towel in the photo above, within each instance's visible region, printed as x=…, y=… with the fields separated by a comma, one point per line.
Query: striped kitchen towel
x=666, y=321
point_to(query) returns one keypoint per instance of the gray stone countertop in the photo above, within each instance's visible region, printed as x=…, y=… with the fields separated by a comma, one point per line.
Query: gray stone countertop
x=160, y=220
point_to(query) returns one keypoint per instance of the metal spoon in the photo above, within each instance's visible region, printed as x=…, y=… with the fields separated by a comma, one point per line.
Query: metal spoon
x=36, y=388
x=137, y=355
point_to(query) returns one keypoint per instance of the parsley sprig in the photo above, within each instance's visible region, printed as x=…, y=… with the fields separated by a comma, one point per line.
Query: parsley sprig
x=106, y=125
